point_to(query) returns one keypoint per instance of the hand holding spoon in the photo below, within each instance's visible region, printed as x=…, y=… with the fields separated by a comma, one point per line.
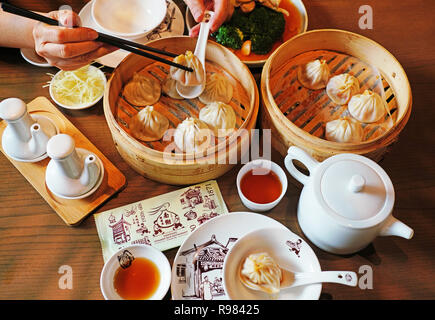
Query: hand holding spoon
x=192, y=92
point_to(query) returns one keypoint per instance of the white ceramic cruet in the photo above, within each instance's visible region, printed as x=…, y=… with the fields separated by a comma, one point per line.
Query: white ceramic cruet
x=25, y=137
x=72, y=173
x=346, y=202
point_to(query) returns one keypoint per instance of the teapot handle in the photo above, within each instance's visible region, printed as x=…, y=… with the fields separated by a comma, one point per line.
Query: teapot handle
x=295, y=153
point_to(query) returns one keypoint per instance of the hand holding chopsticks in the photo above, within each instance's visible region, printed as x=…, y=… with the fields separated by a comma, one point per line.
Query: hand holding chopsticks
x=127, y=45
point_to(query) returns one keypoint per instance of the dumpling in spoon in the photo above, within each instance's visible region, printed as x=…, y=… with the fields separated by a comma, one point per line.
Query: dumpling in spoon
x=169, y=88
x=342, y=87
x=148, y=124
x=192, y=135
x=314, y=75
x=344, y=130
x=220, y=117
x=142, y=90
x=186, y=78
x=367, y=107
x=260, y=271
x=217, y=88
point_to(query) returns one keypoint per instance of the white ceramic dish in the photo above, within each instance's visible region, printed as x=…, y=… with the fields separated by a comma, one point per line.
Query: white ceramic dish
x=130, y=19
x=81, y=106
x=211, y=242
x=30, y=56
x=136, y=251
x=286, y=248
x=190, y=23
x=262, y=166
x=172, y=25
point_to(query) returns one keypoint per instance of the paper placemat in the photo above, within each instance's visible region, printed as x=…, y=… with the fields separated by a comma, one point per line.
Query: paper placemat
x=162, y=222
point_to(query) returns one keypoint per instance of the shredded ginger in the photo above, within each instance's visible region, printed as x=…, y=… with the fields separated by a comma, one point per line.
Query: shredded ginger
x=79, y=87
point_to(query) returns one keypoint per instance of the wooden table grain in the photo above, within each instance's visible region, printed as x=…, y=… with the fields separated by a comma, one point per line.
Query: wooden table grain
x=35, y=243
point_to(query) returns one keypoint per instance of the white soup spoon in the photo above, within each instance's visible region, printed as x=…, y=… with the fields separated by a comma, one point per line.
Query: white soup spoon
x=295, y=279
x=191, y=92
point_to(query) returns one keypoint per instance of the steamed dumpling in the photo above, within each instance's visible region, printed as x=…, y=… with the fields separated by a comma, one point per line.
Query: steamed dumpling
x=261, y=271
x=367, y=107
x=148, y=124
x=187, y=78
x=169, y=88
x=342, y=87
x=192, y=135
x=217, y=88
x=344, y=130
x=314, y=75
x=142, y=90
x=220, y=117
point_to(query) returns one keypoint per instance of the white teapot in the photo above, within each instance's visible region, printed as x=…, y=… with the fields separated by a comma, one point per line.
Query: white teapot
x=346, y=202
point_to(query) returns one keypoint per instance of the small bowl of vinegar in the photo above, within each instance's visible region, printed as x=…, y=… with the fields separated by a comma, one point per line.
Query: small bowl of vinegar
x=261, y=185
x=137, y=272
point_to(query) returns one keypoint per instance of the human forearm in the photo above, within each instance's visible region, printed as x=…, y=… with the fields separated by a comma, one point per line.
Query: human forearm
x=16, y=32
x=64, y=47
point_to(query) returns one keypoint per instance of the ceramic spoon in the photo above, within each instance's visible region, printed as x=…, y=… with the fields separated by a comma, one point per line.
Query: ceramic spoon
x=201, y=44
x=294, y=279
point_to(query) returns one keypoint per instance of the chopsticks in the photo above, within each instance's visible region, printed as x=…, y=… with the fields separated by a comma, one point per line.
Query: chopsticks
x=127, y=45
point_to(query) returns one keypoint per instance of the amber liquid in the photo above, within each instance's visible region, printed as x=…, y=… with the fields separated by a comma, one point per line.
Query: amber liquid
x=137, y=282
x=261, y=188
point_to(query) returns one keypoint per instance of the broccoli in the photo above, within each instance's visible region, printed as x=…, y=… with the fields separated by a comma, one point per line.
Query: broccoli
x=261, y=44
x=267, y=21
x=241, y=20
x=269, y=27
x=263, y=26
x=229, y=36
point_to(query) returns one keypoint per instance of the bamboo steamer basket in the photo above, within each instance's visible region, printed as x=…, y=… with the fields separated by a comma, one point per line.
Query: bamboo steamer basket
x=148, y=159
x=286, y=133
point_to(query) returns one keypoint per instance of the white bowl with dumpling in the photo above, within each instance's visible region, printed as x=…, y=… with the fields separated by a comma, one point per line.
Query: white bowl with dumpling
x=275, y=246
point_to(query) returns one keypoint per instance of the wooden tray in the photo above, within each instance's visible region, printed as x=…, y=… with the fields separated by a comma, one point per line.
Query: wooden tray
x=71, y=211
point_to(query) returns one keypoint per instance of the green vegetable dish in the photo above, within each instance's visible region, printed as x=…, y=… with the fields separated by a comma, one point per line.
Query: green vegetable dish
x=263, y=27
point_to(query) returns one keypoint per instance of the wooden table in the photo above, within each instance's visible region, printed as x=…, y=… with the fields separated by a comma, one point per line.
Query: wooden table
x=34, y=241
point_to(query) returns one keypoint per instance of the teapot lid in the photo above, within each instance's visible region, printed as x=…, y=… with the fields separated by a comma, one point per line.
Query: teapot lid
x=355, y=189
